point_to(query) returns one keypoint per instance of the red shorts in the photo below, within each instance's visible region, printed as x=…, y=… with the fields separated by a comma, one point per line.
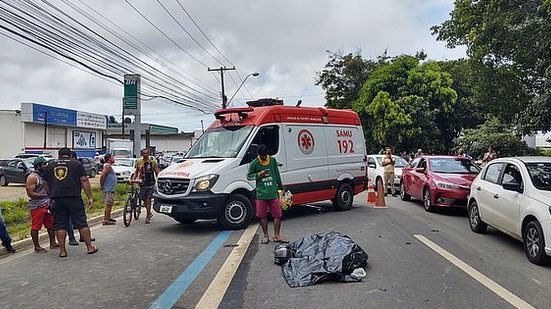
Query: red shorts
x=262, y=207
x=41, y=216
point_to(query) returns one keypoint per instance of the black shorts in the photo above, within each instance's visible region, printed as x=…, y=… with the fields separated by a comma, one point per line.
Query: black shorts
x=146, y=193
x=69, y=207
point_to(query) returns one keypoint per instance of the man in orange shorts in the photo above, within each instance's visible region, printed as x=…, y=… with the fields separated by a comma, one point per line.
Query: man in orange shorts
x=39, y=206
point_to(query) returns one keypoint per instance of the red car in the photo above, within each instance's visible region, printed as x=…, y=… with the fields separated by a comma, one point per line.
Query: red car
x=440, y=181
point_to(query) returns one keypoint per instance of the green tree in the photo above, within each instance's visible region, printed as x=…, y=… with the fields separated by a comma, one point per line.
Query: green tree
x=423, y=91
x=389, y=123
x=511, y=40
x=343, y=77
x=493, y=133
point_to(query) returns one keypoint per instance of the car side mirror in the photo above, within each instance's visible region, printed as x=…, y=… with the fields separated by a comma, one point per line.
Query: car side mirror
x=419, y=170
x=513, y=186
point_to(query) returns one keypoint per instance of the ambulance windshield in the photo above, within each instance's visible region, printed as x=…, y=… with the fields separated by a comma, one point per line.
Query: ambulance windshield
x=224, y=142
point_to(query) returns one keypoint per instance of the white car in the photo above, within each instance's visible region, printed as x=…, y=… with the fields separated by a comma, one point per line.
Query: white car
x=375, y=170
x=124, y=168
x=513, y=195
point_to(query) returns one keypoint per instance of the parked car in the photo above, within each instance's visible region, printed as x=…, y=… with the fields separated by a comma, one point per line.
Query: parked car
x=90, y=166
x=15, y=171
x=124, y=168
x=375, y=169
x=33, y=155
x=440, y=181
x=513, y=195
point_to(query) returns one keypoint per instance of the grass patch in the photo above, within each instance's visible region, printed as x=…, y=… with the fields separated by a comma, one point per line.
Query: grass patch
x=17, y=216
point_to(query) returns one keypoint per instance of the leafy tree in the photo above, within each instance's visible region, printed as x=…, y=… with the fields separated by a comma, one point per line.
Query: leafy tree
x=343, y=77
x=389, y=123
x=511, y=39
x=423, y=92
x=493, y=133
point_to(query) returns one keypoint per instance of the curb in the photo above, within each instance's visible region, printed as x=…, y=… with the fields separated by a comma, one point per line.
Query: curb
x=43, y=236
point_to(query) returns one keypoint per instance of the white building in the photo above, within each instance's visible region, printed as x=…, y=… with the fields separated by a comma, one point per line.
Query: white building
x=38, y=128
x=539, y=140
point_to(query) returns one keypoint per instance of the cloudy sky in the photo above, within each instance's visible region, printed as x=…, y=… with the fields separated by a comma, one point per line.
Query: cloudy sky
x=285, y=41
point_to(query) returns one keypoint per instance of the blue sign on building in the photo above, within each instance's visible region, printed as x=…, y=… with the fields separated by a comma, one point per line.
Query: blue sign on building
x=55, y=115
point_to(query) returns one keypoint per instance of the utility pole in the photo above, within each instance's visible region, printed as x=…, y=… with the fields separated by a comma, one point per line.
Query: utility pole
x=222, y=69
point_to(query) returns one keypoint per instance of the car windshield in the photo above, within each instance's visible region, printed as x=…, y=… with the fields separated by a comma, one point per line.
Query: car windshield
x=399, y=161
x=124, y=162
x=453, y=166
x=540, y=173
x=224, y=142
x=121, y=153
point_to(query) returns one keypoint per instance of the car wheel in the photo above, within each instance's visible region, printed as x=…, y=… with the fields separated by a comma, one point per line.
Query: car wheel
x=534, y=243
x=237, y=212
x=476, y=223
x=186, y=221
x=376, y=186
x=93, y=173
x=3, y=181
x=344, y=197
x=403, y=195
x=427, y=201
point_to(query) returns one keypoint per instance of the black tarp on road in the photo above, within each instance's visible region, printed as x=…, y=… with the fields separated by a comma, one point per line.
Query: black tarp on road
x=327, y=256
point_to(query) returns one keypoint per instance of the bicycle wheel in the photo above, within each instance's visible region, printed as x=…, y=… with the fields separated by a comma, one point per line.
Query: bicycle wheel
x=138, y=208
x=127, y=212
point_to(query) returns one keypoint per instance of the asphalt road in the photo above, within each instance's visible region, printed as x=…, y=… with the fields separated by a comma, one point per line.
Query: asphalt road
x=136, y=265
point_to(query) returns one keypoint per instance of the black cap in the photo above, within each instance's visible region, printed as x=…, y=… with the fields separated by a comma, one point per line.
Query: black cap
x=64, y=152
x=262, y=150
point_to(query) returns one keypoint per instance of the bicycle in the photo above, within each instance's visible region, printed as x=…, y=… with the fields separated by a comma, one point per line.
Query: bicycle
x=133, y=205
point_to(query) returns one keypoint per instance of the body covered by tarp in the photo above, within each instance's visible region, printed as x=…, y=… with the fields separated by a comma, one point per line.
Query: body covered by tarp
x=327, y=256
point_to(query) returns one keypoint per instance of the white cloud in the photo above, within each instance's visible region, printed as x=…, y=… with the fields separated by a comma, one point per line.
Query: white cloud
x=285, y=41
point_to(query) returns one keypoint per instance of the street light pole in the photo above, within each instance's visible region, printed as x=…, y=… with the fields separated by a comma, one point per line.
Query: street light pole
x=255, y=74
x=222, y=69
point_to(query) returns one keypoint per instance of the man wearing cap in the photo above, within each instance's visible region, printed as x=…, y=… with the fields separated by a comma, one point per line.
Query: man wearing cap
x=39, y=205
x=65, y=179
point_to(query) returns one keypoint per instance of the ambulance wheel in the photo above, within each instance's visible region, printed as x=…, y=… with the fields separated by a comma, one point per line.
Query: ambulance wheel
x=344, y=198
x=237, y=212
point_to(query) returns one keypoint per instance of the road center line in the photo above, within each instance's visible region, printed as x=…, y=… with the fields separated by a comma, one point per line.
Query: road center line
x=478, y=276
x=217, y=289
x=171, y=295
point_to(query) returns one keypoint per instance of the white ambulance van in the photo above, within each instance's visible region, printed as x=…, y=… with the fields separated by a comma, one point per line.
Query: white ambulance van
x=321, y=155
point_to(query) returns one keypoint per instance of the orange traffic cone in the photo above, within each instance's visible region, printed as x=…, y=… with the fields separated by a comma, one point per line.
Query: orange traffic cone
x=371, y=195
x=380, y=203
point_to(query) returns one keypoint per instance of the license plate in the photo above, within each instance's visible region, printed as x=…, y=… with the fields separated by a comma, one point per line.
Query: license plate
x=166, y=209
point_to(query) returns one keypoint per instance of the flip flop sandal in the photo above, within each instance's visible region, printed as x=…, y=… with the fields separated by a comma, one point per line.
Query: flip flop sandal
x=93, y=251
x=41, y=250
x=265, y=240
x=63, y=255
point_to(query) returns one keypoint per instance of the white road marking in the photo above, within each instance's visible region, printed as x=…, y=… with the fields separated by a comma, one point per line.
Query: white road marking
x=219, y=285
x=478, y=276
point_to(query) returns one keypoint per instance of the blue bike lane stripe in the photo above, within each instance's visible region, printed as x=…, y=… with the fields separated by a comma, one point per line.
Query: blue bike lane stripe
x=173, y=293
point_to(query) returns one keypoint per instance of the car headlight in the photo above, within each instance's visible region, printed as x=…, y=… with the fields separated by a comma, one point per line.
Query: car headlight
x=205, y=183
x=445, y=185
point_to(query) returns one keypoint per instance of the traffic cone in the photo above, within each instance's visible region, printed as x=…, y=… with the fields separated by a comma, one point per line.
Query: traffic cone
x=371, y=195
x=380, y=203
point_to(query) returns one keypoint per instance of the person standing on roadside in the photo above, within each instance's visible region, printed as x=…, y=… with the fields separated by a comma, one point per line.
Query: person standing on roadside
x=108, y=182
x=419, y=153
x=264, y=170
x=146, y=171
x=388, y=163
x=4, y=235
x=490, y=155
x=39, y=205
x=65, y=179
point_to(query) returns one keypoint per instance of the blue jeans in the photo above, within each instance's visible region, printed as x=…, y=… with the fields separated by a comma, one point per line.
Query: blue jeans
x=4, y=236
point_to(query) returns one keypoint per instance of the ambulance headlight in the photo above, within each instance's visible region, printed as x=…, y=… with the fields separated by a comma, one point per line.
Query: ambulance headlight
x=205, y=183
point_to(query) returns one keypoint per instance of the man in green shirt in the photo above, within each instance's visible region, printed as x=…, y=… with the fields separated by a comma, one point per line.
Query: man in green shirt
x=264, y=170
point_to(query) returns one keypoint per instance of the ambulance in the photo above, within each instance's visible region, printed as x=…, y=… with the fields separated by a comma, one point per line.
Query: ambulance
x=321, y=155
